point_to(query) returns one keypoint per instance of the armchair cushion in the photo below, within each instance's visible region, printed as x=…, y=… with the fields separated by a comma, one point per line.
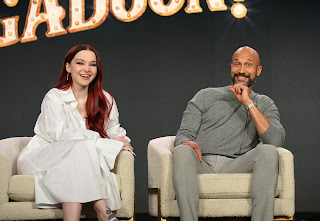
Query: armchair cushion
x=227, y=186
x=21, y=188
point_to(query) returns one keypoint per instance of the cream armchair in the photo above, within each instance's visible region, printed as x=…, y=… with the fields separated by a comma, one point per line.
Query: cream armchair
x=17, y=191
x=221, y=195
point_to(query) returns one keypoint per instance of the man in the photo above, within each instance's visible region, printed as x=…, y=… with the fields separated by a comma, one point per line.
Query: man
x=221, y=131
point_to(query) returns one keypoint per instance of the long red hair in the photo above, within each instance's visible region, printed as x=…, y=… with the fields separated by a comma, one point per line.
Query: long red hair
x=98, y=106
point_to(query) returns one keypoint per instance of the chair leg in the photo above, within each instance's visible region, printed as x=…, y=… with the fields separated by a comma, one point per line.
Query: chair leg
x=285, y=218
x=159, y=206
x=134, y=211
x=160, y=218
x=132, y=219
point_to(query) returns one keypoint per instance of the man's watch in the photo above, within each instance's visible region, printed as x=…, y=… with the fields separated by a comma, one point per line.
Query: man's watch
x=250, y=105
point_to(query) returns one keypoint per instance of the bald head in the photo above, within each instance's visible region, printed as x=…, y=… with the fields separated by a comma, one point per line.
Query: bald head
x=249, y=52
x=245, y=66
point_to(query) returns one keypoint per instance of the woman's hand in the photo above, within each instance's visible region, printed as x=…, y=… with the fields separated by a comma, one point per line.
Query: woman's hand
x=125, y=142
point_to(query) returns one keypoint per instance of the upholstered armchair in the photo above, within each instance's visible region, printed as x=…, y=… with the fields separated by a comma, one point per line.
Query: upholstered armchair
x=221, y=195
x=17, y=191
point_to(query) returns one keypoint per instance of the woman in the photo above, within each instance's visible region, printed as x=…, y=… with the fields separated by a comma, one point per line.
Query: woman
x=77, y=138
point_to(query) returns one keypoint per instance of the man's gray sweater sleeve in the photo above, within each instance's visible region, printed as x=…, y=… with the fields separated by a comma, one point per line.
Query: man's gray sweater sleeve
x=275, y=134
x=191, y=119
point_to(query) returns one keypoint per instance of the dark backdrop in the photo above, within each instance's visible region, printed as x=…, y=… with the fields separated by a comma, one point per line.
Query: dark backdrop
x=154, y=66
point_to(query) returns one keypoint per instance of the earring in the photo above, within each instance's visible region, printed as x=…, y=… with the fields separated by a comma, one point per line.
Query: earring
x=67, y=76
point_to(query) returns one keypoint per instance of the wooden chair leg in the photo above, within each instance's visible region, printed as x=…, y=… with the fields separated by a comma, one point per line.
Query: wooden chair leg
x=159, y=206
x=292, y=218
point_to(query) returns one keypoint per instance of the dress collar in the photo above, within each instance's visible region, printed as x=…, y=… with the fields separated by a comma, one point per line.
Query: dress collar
x=67, y=95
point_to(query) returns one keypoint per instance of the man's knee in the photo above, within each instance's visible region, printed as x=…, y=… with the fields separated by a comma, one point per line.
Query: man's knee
x=184, y=157
x=183, y=152
x=268, y=153
x=184, y=168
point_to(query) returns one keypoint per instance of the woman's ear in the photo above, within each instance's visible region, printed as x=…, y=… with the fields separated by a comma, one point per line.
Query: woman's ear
x=68, y=68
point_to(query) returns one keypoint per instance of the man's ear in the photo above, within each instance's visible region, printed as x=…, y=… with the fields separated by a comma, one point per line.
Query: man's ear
x=68, y=68
x=259, y=69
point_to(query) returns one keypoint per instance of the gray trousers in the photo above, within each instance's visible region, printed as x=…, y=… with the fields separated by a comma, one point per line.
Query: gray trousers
x=262, y=161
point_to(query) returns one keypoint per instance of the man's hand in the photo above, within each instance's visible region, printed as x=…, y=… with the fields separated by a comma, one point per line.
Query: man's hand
x=241, y=92
x=194, y=146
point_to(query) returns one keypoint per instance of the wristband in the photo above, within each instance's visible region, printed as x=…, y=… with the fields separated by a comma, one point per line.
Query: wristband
x=250, y=105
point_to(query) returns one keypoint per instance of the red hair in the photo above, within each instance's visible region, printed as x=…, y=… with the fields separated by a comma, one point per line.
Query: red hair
x=98, y=106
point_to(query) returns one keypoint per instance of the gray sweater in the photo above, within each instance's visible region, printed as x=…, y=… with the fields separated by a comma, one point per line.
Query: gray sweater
x=221, y=125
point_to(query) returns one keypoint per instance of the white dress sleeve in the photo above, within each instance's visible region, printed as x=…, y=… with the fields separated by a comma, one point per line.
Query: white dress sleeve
x=112, y=125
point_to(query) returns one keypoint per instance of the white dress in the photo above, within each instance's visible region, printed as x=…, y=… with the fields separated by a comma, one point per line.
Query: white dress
x=70, y=162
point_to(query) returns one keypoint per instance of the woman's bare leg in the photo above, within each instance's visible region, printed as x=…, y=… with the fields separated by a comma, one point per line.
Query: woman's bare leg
x=104, y=213
x=71, y=211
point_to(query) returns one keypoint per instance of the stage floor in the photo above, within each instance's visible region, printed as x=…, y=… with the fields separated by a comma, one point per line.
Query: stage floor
x=299, y=217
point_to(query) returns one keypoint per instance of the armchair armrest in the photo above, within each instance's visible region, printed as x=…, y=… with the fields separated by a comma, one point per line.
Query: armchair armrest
x=10, y=148
x=124, y=168
x=159, y=155
x=4, y=181
x=286, y=172
x=9, y=151
x=160, y=166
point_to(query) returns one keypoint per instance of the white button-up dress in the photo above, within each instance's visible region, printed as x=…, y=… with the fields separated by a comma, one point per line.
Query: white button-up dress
x=70, y=162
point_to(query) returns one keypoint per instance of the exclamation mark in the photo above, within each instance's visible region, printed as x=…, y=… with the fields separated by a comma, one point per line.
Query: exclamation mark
x=238, y=9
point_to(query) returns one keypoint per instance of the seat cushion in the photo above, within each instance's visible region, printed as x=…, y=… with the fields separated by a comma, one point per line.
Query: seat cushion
x=21, y=188
x=228, y=186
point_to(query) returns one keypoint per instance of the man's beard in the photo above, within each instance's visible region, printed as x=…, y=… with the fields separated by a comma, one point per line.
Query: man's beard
x=250, y=81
